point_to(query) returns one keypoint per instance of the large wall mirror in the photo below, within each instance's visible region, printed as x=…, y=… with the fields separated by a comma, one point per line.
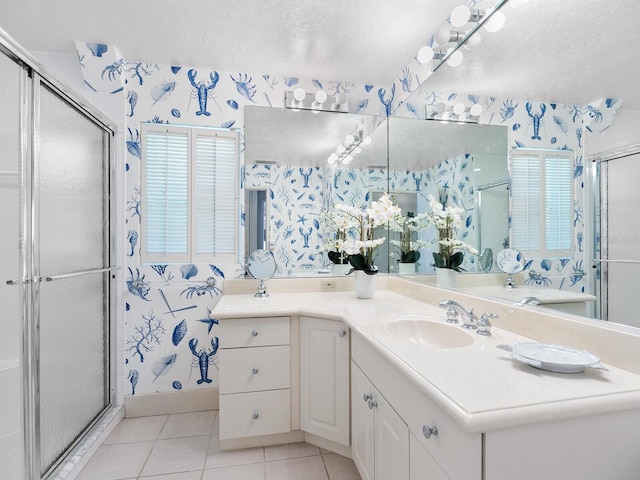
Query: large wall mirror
x=287, y=154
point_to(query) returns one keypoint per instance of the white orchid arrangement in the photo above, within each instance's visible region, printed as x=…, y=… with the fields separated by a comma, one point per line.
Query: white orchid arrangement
x=447, y=220
x=407, y=226
x=358, y=227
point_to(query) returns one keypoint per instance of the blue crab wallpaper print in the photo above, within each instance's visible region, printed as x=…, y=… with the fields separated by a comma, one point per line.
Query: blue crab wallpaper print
x=171, y=341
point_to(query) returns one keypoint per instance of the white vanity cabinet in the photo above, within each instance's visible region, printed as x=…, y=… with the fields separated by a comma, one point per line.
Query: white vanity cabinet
x=324, y=379
x=380, y=437
x=255, y=378
x=431, y=445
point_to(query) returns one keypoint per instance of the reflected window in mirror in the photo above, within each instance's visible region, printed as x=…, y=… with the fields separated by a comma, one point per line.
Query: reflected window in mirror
x=542, y=202
x=256, y=220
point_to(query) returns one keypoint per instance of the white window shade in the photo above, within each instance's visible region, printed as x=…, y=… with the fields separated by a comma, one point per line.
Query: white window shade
x=542, y=203
x=189, y=195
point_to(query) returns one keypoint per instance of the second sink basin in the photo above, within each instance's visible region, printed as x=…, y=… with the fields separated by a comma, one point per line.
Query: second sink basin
x=417, y=329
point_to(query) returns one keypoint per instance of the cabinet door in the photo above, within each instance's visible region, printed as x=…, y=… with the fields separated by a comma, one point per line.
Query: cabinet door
x=391, y=442
x=362, y=423
x=422, y=466
x=324, y=378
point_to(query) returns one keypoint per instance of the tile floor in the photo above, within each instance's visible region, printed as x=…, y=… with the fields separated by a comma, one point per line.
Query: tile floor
x=185, y=446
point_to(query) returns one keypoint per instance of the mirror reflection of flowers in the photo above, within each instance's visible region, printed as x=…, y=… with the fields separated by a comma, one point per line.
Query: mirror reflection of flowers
x=337, y=225
x=359, y=243
x=447, y=220
x=407, y=228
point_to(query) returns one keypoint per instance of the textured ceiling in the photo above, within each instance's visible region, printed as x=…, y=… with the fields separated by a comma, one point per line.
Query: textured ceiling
x=569, y=51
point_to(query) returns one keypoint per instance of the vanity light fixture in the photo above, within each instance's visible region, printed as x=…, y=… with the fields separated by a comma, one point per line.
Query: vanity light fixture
x=349, y=148
x=319, y=101
x=426, y=54
x=461, y=15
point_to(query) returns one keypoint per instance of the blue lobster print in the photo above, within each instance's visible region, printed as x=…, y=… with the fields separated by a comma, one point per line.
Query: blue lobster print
x=203, y=91
x=536, y=116
x=203, y=358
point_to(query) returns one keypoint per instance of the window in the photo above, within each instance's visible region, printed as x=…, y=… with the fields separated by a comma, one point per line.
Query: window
x=542, y=202
x=189, y=194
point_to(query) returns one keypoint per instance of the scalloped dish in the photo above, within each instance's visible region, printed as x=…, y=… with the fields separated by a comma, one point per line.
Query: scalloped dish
x=553, y=358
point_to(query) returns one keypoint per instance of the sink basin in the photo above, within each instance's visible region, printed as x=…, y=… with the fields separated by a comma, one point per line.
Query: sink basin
x=426, y=332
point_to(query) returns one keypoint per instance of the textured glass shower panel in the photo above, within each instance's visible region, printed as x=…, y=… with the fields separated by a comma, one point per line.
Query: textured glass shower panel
x=73, y=380
x=72, y=195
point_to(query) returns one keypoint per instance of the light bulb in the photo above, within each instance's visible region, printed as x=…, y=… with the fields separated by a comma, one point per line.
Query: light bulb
x=347, y=159
x=299, y=94
x=476, y=110
x=367, y=140
x=455, y=58
x=442, y=36
x=357, y=150
x=321, y=96
x=495, y=23
x=425, y=54
x=458, y=108
x=460, y=15
x=348, y=140
x=340, y=149
x=473, y=42
x=332, y=158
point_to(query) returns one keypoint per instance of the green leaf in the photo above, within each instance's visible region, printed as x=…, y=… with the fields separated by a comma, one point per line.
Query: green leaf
x=410, y=257
x=439, y=260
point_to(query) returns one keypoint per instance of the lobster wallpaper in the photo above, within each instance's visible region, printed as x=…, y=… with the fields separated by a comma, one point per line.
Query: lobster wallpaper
x=170, y=341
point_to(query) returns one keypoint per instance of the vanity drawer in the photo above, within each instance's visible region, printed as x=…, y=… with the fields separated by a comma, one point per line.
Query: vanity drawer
x=253, y=332
x=256, y=413
x=253, y=369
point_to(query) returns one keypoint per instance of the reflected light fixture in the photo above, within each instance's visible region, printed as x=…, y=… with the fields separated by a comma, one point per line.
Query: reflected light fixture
x=455, y=58
x=299, y=99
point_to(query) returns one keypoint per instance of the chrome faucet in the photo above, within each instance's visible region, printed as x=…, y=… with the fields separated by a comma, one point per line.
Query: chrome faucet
x=529, y=301
x=455, y=310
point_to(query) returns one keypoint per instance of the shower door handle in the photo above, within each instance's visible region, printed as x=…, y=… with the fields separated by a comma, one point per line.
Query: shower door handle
x=77, y=274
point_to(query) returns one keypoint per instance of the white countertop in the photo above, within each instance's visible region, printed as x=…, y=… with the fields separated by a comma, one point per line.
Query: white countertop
x=479, y=385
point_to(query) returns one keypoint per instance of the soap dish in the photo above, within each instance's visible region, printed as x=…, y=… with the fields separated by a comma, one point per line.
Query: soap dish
x=553, y=358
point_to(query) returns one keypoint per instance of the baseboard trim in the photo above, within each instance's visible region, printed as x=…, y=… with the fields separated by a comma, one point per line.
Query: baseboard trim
x=328, y=445
x=262, y=440
x=184, y=401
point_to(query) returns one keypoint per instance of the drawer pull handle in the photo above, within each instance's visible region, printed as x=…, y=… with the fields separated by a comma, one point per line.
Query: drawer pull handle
x=342, y=333
x=256, y=415
x=254, y=333
x=254, y=371
x=372, y=403
x=428, y=431
x=367, y=397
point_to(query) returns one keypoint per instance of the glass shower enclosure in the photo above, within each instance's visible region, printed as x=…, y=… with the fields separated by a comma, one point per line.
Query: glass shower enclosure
x=56, y=354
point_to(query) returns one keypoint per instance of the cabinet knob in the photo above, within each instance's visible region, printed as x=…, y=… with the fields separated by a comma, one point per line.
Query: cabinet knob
x=254, y=370
x=372, y=404
x=254, y=333
x=256, y=415
x=428, y=431
x=342, y=333
x=366, y=397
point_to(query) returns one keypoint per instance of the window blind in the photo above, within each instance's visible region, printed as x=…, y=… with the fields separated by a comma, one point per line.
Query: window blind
x=189, y=194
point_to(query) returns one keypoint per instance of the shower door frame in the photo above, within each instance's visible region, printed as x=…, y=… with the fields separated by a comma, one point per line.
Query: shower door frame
x=32, y=76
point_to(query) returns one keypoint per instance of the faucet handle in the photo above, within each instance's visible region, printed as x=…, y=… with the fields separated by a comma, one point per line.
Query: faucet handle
x=452, y=315
x=484, y=324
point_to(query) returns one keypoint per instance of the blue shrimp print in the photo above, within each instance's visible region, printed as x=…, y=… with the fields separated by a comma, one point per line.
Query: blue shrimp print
x=132, y=236
x=203, y=358
x=203, y=91
x=132, y=99
x=133, y=379
x=244, y=86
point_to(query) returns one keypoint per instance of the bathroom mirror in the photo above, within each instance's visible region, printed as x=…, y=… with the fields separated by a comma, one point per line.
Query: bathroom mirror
x=261, y=264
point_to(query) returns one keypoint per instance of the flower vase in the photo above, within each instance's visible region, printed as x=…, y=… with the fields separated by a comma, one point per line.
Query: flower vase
x=446, y=277
x=364, y=285
x=340, y=269
x=406, y=268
